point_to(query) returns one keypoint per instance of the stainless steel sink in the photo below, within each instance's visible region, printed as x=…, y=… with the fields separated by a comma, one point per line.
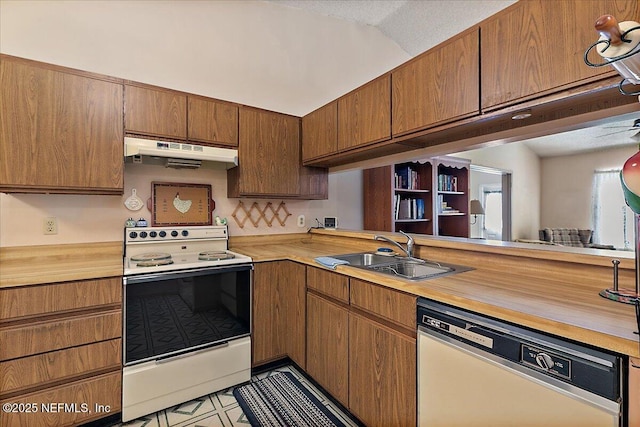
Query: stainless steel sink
x=364, y=259
x=403, y=267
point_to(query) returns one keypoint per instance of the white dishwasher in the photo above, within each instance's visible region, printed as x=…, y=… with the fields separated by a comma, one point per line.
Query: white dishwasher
x=477, y=371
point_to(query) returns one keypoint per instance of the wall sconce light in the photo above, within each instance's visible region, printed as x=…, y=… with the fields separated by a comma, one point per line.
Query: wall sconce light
x=475, y=209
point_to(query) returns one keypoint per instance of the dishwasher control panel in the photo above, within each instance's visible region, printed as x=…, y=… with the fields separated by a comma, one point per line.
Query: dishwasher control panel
x=546, y=361
x=512, y=345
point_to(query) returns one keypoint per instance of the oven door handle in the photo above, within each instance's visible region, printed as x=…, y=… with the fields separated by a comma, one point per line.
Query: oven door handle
x=192, y=353
x=177, y=274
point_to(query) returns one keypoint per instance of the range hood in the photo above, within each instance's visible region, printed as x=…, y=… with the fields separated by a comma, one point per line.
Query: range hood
x=177, y=154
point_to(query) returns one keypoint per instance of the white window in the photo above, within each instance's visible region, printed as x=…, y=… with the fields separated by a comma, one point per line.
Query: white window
x=612, y=218
x=492, y=220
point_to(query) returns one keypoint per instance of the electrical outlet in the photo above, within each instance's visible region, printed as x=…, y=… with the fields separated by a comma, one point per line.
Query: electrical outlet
x=301, y=221
x=50, y=225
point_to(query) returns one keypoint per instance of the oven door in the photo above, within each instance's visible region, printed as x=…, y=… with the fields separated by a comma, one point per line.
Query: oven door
x=166, y=314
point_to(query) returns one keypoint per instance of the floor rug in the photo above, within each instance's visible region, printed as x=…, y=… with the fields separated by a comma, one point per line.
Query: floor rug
x=281, y=400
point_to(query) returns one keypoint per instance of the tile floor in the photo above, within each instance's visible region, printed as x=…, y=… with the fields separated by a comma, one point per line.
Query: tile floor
x=221, y=408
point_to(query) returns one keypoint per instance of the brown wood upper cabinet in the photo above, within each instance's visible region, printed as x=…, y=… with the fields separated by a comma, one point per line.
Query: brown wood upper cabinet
x=364, y=115
x=212, y=122
x=60, y=130
x=440, y=85
x=536, y=47
x=175, y=115
x=320, y=132
x=155, y=112
x=268, y=155
x=269, y=159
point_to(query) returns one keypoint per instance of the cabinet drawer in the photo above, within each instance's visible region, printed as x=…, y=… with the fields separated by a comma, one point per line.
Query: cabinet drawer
x=389, y=304
x=86, y=400
x=331, y=284
x=42, y=337
x=42, y=369
x=36, y=300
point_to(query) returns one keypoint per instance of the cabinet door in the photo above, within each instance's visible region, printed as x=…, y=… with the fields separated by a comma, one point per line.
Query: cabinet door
x=268, y=153
x=278, y=312
x=155, y=112
x=212, y=122
x=382, y=374
x=59, y=132
x=320, y=132
x=440, y=85
x=327, y=346
x=364, y=115
x=537, y=46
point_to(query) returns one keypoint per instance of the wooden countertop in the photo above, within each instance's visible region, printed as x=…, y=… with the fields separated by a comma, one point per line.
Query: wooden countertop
x=32, y=265
x=552, y=302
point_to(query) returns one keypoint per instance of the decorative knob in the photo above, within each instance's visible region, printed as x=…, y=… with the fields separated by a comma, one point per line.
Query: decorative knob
x=608, y=27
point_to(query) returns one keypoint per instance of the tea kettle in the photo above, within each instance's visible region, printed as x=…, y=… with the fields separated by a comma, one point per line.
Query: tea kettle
x=619, y=45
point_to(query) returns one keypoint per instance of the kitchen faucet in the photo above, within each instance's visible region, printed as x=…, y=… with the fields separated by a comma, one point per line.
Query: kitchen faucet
x=408, y=251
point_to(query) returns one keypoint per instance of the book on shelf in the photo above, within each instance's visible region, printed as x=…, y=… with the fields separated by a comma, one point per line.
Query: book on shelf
x=405, y=177
x=447, y=182
x=408, y=208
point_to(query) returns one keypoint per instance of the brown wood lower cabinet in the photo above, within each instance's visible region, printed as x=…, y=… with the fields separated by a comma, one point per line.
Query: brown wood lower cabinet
x=634, y=393
x=278, y=312
x=60, y=352
x=328, y=346
x=66, y=405
x=382, y=374
x=361, y=347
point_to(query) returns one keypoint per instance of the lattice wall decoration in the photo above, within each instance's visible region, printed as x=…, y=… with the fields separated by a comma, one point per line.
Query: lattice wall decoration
x=255, y=214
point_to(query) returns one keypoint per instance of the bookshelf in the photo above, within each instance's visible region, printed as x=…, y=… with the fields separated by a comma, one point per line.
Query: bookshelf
x=411, y=197
x=409, y=204
x=452, y=196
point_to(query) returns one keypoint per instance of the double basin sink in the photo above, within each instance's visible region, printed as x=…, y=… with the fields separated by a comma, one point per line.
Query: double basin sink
x=402, y=267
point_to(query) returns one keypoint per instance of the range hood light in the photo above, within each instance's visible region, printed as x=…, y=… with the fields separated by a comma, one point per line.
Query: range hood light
x=521, y=115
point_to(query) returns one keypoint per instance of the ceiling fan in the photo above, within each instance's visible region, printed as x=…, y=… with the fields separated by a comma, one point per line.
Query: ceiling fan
x=635, y=127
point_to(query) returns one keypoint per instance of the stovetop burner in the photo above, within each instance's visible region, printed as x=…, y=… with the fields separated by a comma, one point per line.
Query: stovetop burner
x=214, y=255
x=151, y=256
x=154, y=262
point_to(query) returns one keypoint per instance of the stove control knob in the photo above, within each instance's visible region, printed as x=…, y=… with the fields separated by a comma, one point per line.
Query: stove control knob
x=143, y=234
x=163, y=233
x=185, y=233
x=133, y=235
x=174, y=233
x=153, y=234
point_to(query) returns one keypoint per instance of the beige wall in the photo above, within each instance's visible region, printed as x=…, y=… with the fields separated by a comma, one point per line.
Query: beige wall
x=525, y=193
x=567, y=184
x=265, y=55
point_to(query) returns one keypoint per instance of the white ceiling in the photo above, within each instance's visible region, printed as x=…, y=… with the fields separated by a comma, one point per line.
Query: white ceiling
x=614, y=133
x=415, y=25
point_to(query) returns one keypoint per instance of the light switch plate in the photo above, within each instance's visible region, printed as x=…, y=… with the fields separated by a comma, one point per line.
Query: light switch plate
x=330, y=222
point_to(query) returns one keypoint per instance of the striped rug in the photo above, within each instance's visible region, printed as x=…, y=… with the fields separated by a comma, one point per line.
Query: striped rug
x=281, y=400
